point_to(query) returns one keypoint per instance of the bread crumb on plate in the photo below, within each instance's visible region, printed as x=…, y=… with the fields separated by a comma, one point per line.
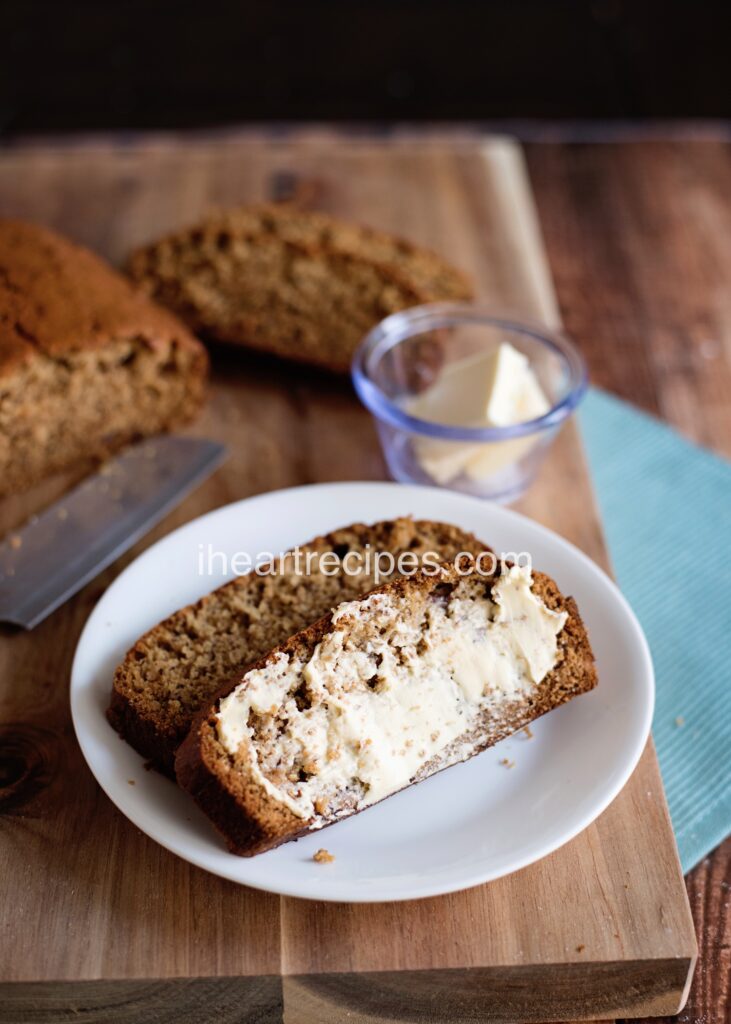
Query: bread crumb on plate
x=323, y=856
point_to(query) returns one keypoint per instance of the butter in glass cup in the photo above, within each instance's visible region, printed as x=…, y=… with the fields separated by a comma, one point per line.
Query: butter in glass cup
x=465, y=399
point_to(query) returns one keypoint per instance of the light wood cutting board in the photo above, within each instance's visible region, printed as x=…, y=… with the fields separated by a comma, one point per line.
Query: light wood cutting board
x=98, y=918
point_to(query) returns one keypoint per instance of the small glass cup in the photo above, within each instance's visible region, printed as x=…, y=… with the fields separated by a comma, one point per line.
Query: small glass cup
x=407, y=353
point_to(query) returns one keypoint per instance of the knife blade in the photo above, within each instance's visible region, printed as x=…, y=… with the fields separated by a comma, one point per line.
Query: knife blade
x=57, y=552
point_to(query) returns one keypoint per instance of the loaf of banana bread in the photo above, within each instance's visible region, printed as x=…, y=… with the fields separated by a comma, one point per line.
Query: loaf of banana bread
x=87, y=364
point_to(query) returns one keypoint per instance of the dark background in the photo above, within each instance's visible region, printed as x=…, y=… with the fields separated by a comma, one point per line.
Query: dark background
x=79, y=66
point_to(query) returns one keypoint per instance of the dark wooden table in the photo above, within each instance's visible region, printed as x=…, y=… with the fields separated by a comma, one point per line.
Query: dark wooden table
x=639, y=242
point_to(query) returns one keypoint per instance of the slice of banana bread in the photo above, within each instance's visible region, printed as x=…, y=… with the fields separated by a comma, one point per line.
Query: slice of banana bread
x=424, y=672
x=178, y=666
x=86, y=363
x=297, y=284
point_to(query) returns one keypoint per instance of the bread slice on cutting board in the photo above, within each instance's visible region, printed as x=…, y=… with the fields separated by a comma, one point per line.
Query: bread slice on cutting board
x=290, y=282
x=383, y=692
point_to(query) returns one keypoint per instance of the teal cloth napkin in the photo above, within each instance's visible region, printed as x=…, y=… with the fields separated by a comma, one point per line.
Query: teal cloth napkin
x=666, y=506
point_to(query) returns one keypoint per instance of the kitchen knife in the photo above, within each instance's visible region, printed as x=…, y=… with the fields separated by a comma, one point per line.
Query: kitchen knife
x=60, y=550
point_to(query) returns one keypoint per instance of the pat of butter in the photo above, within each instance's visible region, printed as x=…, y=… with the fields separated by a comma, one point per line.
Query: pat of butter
x=495, y=389
x=438, y=672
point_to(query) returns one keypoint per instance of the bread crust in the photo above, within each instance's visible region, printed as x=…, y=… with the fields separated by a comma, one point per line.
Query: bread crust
x=140, y=709
x=58, y=297
x=145, y=734
x=251, y=821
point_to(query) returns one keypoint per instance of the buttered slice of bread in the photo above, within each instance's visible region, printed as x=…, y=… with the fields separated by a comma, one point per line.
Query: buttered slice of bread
x=388, y=689
x=178, y=666
x=294, y=283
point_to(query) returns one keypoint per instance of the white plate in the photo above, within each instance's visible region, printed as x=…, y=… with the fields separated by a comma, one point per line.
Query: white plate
x=476, y=821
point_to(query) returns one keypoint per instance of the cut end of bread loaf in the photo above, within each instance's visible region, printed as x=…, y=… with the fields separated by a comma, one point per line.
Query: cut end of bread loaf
x=422, y=673
x=178, y=667
x=290, y=282
x=87, y=364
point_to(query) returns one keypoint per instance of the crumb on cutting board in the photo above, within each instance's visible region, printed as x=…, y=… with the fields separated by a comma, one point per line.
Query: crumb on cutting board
x=528, y=732
x=323, y=856
x=580, y=948
x=680, y=721
x=507, y=763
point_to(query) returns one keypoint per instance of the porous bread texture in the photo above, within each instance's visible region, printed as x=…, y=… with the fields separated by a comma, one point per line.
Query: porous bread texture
x=177, y=667
x=87, y=364
x=290, y=282
x=252, y=820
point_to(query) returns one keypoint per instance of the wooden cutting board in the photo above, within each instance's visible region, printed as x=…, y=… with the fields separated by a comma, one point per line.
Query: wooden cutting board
x=98, y=918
